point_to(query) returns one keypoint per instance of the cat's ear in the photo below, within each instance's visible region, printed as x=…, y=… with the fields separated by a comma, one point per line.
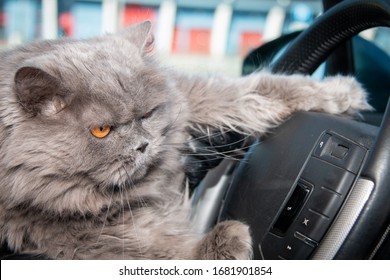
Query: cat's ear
x=39, y=92
x=141, y=35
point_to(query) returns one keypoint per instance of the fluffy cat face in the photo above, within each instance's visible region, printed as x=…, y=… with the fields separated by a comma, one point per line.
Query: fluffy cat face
x=96, y=116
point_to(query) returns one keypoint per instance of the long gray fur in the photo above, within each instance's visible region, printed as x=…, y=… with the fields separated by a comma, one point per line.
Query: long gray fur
x=69, y=195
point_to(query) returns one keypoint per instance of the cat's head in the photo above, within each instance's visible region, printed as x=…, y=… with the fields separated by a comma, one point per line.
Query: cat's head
x=97, y=114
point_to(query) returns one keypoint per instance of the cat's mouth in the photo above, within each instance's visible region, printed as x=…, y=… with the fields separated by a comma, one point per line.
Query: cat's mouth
x=128, y=171
x=133, y=170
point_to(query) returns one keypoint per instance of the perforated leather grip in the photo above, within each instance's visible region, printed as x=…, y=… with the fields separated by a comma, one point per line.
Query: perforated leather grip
x=340, y=23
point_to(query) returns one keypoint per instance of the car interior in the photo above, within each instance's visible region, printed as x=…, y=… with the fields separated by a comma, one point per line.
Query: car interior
x=318, y=186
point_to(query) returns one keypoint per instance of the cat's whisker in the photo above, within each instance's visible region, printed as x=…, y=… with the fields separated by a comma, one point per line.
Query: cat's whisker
x=215, y=146
x=136, y=231
x=208, y=134
x=123, y=218
x=123, y=222
x=106, y=217
x=218, y=158
x=233, y=143
x=128, y=176
x=205, y=151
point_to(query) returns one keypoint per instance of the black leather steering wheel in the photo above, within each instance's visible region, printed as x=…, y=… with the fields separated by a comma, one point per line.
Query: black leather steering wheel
x=262, y=190
x=338, y=24
x=308, y=51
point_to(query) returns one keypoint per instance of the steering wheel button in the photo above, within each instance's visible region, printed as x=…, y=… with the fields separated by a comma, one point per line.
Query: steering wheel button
x=340, y=151
x=332, y=178
x=312, y=224
x=321, y=145
x=305, y=239
x=325, y=201
x=297, y=249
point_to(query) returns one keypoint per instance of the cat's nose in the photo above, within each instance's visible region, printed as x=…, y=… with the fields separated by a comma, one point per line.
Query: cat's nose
x=141, y=148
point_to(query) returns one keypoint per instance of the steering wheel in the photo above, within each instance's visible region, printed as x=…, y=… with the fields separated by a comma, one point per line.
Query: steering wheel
x=304, y=56
x=319, y=185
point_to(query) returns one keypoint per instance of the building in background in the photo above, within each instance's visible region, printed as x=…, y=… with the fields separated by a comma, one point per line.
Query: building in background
x=21, y=20
x=193, y=21
x=217, y=33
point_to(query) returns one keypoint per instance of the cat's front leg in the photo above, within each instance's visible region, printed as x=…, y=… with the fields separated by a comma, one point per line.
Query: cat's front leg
x=340, y=95
x=258, y=102
x=335, y=95
x=229, y=240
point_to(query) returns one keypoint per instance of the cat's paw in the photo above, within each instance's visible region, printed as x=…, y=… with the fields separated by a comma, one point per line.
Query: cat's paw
x=345, y=96
x=228, y=240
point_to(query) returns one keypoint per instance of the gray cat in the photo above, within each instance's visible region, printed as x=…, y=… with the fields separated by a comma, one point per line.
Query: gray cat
x=90, y=138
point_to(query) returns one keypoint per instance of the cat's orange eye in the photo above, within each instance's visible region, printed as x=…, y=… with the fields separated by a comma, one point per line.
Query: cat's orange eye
x=101, y=131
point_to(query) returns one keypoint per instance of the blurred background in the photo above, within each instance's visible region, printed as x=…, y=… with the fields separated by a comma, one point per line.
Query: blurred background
x=197, y=36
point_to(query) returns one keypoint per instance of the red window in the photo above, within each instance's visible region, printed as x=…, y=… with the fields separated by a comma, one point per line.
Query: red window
x=249, y=41
x=135, y=13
